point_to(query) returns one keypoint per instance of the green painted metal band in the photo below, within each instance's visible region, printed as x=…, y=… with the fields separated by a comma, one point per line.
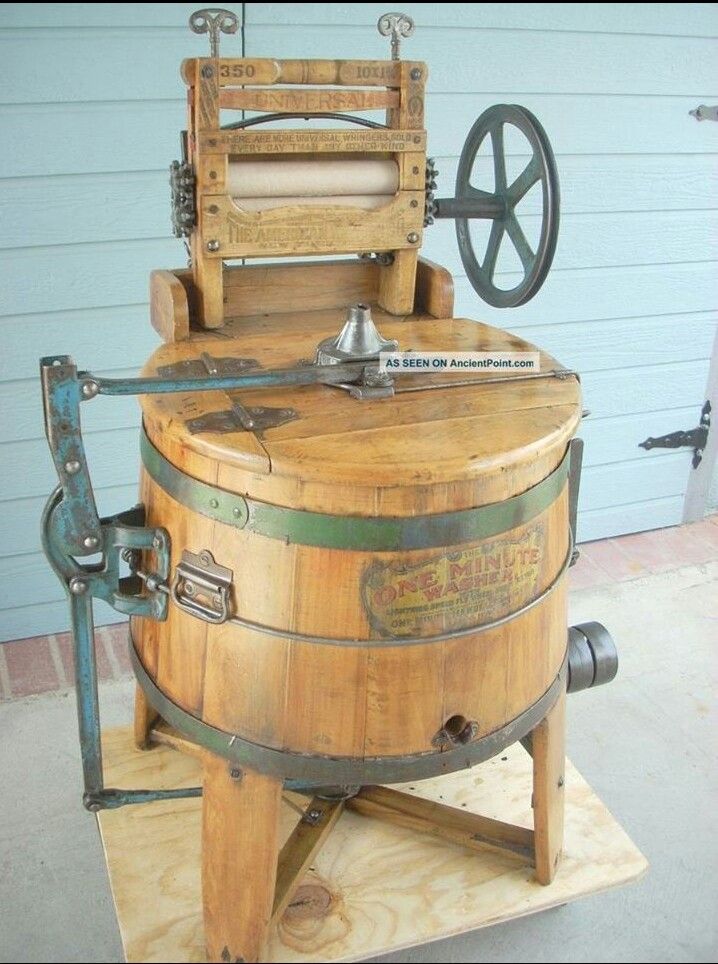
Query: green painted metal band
x=318, y=770
x=360, y=533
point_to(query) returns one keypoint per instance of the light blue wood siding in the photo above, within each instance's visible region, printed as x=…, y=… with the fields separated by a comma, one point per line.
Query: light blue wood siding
x=91, y=104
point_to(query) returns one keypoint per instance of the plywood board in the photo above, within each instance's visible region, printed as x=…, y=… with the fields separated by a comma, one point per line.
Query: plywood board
x=374, y=888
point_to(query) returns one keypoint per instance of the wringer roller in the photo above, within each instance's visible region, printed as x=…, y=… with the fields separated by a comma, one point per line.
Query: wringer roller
x=338, y=577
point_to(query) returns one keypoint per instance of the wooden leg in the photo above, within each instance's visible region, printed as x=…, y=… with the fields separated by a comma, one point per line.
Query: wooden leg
x=145, y=718
x=548, y=745
x=240, y=825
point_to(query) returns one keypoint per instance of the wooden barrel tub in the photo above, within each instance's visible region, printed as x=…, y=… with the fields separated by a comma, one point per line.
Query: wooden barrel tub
x=397, y=586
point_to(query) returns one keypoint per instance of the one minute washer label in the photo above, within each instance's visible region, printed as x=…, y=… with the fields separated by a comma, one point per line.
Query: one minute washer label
x=455, y=589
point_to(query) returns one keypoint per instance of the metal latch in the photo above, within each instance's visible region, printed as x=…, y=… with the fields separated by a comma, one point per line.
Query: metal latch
x=695, y=438
x=201, y=586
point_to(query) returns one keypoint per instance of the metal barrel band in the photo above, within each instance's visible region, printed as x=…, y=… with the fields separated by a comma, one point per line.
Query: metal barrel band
x=359, y=533
x=318, y=770
x=412, y=640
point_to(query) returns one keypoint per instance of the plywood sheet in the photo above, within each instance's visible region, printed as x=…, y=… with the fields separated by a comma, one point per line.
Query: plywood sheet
x=374, y=888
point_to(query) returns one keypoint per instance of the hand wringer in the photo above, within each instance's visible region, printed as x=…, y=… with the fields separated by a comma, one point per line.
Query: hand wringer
x=337, y=578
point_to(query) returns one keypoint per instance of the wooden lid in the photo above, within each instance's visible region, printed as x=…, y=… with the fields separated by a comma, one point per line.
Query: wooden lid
x=486, y=442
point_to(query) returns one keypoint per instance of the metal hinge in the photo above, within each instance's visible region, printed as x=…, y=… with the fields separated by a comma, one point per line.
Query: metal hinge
x=201, y=587
x=695, y=438
x=704, y=112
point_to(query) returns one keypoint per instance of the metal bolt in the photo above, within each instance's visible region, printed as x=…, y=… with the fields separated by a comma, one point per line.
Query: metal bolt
x=90, y=389
x=312, y=816
x=415, y=74
x=235, y=773
x=207, y=71
x=412, y=237
x=78, y=586
x=72, y=467
x=214, y=503
x=157, y=542
x=90, y=542
x=189, y=588
x=217, y=602
x=213, y=245
x=236, y=512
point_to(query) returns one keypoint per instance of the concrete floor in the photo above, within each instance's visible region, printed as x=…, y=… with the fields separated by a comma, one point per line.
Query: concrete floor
x=646, y=743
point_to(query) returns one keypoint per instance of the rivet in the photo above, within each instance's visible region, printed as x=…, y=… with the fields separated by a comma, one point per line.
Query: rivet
x=214, y=503
x=78, y=586
x=90, y=542
x=415, y=74
x=207, y=71
x=412, y=237
x=236, y=512
x=213, y=245
x=90, y=389
x=72, y=467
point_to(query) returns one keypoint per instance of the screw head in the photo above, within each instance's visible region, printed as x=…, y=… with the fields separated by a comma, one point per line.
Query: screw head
x=188, y=588
x=207, y=71
x=414, y=203
x=415, y=74
x=213, y=245
x=90, y=542
x=72, y=467
x=78, y=587
x=156, y=542
x=235, y=773
x=412, y=237
x=213, y=209
x=560, y=782
x=214, y=503
x=236, y=512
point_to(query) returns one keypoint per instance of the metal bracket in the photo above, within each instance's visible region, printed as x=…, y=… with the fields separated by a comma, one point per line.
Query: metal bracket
x=574, y=485
x=695, y=438
x=201, y=587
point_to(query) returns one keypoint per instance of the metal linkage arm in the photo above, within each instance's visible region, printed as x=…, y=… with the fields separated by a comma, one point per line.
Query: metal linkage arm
x=71, y=528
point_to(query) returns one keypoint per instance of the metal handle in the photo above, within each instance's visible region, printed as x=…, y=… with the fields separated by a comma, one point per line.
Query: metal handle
x=214, y=21
x=396, y=25
x=201, y=587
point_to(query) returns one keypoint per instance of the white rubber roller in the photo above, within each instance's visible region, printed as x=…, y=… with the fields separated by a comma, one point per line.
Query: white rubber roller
x=312, y=178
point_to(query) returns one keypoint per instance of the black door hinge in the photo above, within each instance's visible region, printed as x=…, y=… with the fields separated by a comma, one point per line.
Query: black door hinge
x=695, y=438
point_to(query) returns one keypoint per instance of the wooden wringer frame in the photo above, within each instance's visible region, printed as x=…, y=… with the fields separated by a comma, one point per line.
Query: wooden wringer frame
x=341, y=575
